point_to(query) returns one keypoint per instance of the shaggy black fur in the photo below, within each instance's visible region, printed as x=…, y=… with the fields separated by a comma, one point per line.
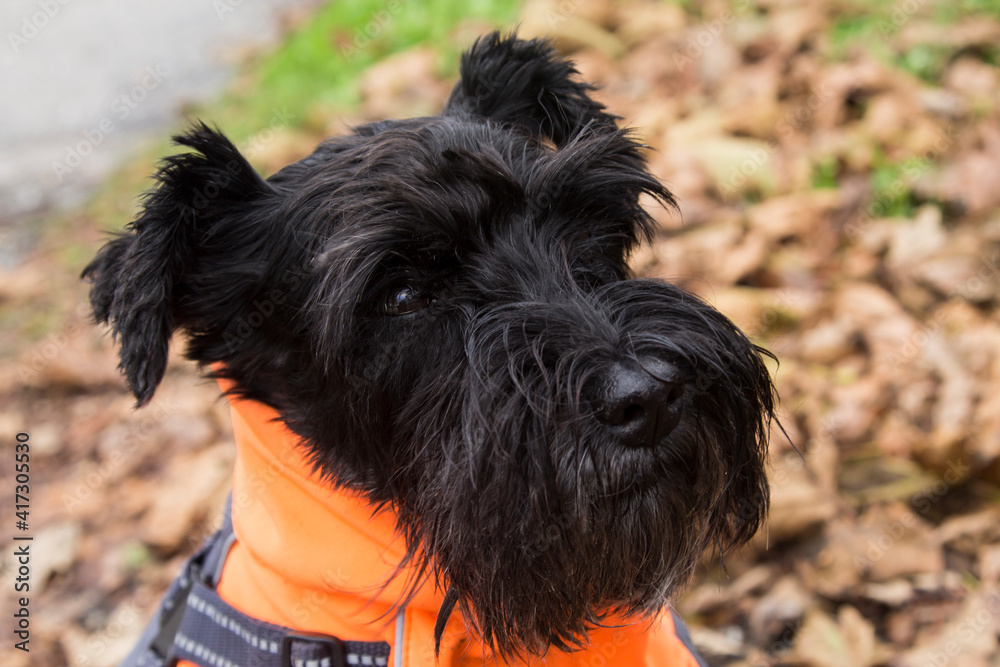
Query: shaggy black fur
x=441, y=308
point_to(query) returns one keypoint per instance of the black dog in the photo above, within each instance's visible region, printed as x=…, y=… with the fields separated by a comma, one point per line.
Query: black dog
x=452, y=330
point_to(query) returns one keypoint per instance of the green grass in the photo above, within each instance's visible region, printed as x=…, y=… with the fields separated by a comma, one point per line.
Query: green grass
x=925, y=61
x=873, y=25
x=824, y=174
x=860, y=23
x=320, y=64
x=892, y=188
x=953, y=11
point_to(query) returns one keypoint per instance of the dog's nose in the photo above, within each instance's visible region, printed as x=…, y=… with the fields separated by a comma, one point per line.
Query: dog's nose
x=640, y=403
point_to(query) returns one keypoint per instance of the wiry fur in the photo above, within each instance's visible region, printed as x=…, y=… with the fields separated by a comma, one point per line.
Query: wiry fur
x=473, y=418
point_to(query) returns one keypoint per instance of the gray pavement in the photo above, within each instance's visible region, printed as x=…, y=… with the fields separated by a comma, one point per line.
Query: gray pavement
x=84, y=82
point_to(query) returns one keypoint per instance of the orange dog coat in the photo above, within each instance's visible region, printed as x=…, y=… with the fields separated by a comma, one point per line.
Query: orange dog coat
x=314, y=558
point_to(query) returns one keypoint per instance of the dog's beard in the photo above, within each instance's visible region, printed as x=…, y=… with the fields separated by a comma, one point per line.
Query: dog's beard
x=536, y=520
x=533, y=515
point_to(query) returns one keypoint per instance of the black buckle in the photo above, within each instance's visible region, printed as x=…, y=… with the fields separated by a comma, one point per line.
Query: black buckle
x=170, y=619
x=335, y=645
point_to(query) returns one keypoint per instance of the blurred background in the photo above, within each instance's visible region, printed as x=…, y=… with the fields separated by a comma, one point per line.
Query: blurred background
x=837, y=164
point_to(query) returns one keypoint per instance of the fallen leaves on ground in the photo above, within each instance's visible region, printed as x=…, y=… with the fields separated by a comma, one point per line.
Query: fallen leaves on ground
x=838, y=199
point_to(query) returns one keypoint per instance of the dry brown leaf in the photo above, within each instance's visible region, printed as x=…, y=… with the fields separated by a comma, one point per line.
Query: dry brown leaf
x=898, y=542
x=184, y=498
x=54, y=549
x=969, y=638
x=968, y=181
x=636, y=24
x=782, y=607
x=405, y=84
x=797, y=505
x=798, y=214
x=821, y=643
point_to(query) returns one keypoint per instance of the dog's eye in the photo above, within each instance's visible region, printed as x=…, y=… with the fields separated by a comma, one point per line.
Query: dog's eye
x=406, y=300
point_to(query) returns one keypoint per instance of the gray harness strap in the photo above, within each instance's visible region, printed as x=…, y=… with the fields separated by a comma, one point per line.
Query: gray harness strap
x=682, y=632
x=193, y=623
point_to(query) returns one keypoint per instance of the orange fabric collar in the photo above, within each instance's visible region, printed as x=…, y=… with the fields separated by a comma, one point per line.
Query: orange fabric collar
x=314, y=558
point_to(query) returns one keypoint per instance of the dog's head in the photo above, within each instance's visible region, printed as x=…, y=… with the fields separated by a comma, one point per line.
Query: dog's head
x=442, y=309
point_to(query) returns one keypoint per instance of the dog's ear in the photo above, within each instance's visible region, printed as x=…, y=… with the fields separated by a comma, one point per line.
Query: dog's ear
x=190, y=222
x=525, y=83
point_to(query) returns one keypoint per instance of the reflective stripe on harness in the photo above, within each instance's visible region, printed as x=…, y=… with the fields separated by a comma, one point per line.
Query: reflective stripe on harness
x=193, y=623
